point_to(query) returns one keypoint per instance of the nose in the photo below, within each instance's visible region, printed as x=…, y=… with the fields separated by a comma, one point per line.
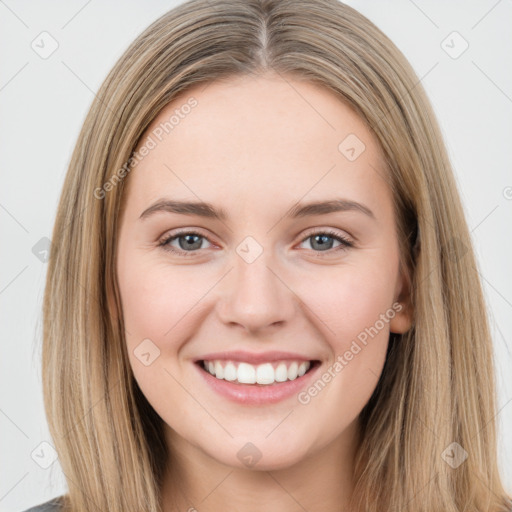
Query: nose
x=255, y=297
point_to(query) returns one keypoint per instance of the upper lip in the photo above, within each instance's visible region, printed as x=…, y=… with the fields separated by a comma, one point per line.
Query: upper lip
x=253, y=357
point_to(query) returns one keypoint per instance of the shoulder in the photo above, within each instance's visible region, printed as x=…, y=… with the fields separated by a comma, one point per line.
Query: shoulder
x=52, y=505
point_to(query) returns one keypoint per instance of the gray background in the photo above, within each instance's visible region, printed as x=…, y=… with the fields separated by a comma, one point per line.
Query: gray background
x=43, y=102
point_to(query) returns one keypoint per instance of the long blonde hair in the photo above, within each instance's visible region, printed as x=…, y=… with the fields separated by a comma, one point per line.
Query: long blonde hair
x=437, y=386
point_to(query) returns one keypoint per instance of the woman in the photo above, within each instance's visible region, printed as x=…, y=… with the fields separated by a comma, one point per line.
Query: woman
x=262, y=291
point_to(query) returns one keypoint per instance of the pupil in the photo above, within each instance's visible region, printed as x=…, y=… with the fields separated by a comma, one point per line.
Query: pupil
x=189, y=241
x=322, y=243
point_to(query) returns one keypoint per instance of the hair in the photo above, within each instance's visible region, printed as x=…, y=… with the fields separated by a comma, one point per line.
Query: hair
x=438, y=382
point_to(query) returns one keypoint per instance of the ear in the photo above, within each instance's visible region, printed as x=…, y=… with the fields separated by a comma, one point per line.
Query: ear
x=402, y=321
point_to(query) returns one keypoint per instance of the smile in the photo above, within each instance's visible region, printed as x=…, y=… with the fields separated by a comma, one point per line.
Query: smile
x=245, y=389
x=264, y=374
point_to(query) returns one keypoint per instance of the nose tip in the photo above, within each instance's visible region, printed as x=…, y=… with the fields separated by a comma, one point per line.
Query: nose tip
x=253, y=295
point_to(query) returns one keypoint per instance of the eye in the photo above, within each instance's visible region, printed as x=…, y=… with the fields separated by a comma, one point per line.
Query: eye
x=188, y=242
x=320, y=240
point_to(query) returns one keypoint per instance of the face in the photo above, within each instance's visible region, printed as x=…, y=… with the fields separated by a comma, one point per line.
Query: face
x=267, y=275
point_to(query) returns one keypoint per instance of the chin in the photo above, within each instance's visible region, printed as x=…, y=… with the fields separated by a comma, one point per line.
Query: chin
x=260, y=456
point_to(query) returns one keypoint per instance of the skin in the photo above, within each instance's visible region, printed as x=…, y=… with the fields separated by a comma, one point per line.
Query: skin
x=255, y=146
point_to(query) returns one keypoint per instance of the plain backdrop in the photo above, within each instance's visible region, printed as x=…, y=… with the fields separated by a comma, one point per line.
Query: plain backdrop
x=461, y=52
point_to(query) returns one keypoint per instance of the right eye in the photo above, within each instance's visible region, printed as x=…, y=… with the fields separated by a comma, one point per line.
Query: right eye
x=186, y=240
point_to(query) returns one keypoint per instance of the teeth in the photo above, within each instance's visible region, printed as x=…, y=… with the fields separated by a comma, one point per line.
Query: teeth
x=219, y=371
x=292, y=371
x=246, y=374
x=281, y=373
x=266, y=373
x=301, y=370
x=230, y=372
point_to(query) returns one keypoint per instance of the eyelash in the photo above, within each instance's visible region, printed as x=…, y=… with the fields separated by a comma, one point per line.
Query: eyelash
x=164, y=243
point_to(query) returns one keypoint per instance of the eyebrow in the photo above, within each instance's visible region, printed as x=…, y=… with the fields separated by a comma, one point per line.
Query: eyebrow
x=207, y=210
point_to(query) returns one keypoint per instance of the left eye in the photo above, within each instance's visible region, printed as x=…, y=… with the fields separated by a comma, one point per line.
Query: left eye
x=189, y=242
x=321, y=240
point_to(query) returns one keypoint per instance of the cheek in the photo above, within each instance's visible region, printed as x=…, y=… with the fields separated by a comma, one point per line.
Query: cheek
x=351, y=298
x=354, y=306
x=159, y=308
x=156, y=299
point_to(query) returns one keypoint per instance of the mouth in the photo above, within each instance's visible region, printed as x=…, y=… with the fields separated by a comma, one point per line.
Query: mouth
x=243, y=374
x=262, y=385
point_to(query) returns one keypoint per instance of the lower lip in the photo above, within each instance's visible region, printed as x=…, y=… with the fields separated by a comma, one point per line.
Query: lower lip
x=257, y=394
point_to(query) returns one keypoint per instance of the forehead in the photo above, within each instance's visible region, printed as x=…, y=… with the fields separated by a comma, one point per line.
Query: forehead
x=249, y=139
